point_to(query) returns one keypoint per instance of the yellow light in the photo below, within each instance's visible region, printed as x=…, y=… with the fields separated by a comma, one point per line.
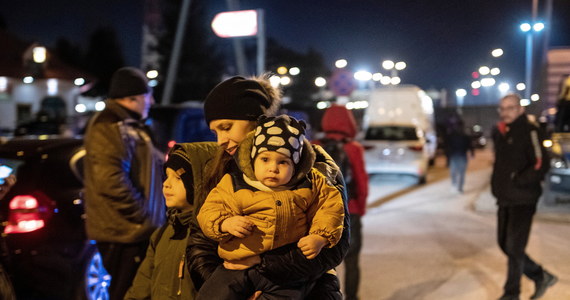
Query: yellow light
x=282, y=70
x=547, y=143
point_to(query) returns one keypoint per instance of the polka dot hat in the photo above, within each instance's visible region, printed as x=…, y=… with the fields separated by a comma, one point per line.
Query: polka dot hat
x=282, y=134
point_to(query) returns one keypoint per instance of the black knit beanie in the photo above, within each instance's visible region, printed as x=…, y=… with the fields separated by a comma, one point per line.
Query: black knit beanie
x=179, y=162
x=128, y=81
x=237, y=99
x=283, y=134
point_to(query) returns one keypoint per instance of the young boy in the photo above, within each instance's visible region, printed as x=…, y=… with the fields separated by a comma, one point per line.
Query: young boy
x=275, y=198
x=162, y=274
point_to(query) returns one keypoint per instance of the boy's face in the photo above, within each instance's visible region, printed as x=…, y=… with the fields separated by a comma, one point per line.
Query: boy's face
x=273, y=169
x=174, y=191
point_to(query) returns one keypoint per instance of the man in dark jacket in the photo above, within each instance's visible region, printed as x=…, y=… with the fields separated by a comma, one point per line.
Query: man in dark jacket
x=123, y=179
x=520, y=165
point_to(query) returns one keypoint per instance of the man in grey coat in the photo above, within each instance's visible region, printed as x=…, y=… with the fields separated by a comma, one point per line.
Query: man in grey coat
x=123, y=179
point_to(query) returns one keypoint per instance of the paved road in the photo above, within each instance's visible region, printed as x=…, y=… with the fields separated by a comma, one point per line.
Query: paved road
x=428, y=242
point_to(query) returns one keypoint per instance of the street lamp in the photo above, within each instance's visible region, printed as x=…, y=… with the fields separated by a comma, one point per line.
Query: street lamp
x=341, y=63
x=529, y=29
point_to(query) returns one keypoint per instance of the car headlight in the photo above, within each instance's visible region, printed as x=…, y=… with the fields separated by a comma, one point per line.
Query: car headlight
x=558, y=163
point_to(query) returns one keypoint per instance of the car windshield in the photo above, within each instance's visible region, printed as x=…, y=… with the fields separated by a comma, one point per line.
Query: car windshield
x=391, y=133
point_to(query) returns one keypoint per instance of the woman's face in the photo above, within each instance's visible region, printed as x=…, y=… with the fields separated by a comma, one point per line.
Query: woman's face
x=231, y=132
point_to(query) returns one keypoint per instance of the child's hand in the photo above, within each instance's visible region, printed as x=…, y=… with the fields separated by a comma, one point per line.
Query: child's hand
x=311, y=245
x=238, y=226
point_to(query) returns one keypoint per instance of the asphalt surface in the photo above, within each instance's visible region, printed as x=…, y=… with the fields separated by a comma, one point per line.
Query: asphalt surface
x=430, y=242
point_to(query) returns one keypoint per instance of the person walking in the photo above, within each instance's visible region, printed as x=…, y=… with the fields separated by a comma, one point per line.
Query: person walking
x=123, y=179
x=231, y=110
x=519, y=167
x=340, y=127
x=458, y=144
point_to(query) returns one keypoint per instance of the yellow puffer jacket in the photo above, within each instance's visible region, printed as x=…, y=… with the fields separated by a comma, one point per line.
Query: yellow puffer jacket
x=310, y=206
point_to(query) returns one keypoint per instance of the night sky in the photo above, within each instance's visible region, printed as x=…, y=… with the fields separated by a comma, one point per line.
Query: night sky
x=442, y=42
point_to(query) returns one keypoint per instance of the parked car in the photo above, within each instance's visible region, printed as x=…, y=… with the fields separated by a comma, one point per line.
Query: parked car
x=396, y=149
x=48, y=253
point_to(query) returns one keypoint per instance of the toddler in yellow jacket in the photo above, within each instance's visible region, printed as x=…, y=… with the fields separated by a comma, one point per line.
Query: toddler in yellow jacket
x=274, y=198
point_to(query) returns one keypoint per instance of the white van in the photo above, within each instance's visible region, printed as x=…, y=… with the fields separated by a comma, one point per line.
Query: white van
x=399, y=130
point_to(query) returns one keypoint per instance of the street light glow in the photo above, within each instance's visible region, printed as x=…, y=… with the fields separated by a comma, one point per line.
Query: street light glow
x=484, y=70
x=320, y=81
x=497, y=52
x=488, y=81
x=28, y=79
x=294, y=71
x=534, y=97
x=539, y=26
x=495, y=71
x=475, y=84
x=525, y=27
x=388, y=64
x=341, y=63
x=79, y=81
x=282, y=70
x=377, y=76
x=80, y=108
x=395, y=80
x=504, y=87
x=400, y=65
x=521, y=86
x=152, y=74
x=362, y=75
x=39, y=54
x=525, y=102
x=275, y=80
x=285, y=80
x=385, y=80
x=460, y=93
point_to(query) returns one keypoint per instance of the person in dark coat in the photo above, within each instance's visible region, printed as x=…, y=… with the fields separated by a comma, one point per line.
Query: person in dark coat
x=457, y=145
x=231, y=110
x=339, y=125
x=519, y=167
x=123, y=179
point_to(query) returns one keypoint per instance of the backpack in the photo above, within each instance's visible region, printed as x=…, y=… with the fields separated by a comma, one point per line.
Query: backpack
x=335, y=148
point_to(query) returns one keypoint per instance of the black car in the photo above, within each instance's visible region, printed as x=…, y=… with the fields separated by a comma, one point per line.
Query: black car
x=48, y=255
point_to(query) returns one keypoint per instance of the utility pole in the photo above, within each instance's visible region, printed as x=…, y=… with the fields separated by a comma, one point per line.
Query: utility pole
x=238, y=46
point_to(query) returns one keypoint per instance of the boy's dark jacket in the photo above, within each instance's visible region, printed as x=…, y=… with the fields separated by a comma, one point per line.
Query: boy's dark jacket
x=520, y=163
x=285, y=264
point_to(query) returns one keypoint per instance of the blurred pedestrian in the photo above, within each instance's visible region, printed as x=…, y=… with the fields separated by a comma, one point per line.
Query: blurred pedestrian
x=340, y=128
x=519, y=167
x=274, y=199
x=123, y=178
x=458, y=145
x=231, y=110
x=163, y=273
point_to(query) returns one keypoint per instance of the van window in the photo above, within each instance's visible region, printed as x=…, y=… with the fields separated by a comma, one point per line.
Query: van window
x=391, y=133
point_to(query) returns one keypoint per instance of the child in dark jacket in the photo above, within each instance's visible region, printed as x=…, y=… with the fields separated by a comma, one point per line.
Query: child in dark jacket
x=162, y=274
x=276, y=198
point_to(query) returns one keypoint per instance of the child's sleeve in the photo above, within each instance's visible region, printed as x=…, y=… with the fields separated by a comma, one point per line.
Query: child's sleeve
x=326, y=211
x=215, y=211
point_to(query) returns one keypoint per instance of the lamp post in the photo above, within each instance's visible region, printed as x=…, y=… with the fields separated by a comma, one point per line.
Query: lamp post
x=529, y=30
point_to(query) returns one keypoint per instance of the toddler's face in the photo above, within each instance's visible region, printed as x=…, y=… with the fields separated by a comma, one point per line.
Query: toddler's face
x=174, y=191
x=273, y=169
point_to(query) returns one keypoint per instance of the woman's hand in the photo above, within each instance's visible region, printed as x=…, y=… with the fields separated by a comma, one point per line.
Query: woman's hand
x=238, y=226
x=311, y=245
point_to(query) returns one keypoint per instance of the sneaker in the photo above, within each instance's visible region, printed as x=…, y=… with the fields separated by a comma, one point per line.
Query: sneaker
x=547, y=281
